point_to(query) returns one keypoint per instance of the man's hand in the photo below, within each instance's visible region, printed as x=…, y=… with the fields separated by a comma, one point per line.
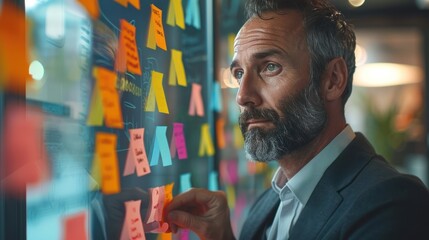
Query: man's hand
x=202, y=211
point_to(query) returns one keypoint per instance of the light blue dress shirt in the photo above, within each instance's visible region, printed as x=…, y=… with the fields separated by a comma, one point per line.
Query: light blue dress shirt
x=295, y=193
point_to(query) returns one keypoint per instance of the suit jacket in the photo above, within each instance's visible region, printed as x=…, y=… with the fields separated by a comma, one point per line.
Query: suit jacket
x=359, y=196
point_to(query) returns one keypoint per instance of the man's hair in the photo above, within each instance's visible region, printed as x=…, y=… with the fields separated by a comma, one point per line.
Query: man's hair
x=328, y=34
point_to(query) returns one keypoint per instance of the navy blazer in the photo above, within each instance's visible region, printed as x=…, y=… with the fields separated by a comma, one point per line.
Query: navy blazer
x=359, y=196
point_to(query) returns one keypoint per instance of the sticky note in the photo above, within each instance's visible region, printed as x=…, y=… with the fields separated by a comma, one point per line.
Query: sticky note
x=133, y=225
x=95, y=173
x=220, y=133
x=127, y=56
x=206, y=143
x=229, y=171
x=156, y=95
x=105, y=94
x=231, y=39
x=213, y=181
x=91, y=7
x=136, y=156
x=175, y=14
x=155, y=214
x=105, y=147
x=177, y=70
x=255, y=167
x=238, y=137
x=13, y=49
x=217, y=98
x=183, y=234
x=165, y=236
x=185, y=182
x=178, y=143
x=230, y=195
x=23, y=153
x=196, y=102
x=168, y=198
x=74, y=227
x=193, y=14
x=156, y=35
x=135, y=3
x=160, y=147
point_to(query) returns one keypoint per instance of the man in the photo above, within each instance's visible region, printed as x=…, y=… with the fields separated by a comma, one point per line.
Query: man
x=294, y=61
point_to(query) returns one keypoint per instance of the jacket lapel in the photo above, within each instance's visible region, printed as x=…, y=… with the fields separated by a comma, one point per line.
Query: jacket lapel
x=326, y=198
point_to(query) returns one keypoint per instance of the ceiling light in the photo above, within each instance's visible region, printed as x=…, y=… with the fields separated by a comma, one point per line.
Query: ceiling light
x=386, y=74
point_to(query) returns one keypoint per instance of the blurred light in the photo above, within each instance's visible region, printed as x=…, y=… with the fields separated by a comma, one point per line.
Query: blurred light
x=37, y=70
x=356, y=3
x=361, y=55
x=423, y=3
x=386, y=74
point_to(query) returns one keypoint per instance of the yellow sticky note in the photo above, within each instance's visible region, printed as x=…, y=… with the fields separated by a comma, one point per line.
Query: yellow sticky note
x=177, y=70
x=156, y=94
x=206, y=143
x=175, y=14
x=230, y=195
x=95, y=117
x=128, y=49
x=91, y=7
x=95, y=173
x=238, y=137
x=231, y=38
x=106, y=81
x=106, y=150
x=156, y=35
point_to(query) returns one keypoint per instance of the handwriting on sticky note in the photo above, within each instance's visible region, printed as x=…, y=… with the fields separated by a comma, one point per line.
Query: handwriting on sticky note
x=177, y=70
x=136, y=156
x=106, y=149
x=160, y=147
x=206, y=142
x=175, y=14
x=196, y=102
x=128, y=48
x=156, y=36
x=75, y=226
x=156, y=95
x=133, y=222
x=178, y=142
x=193, y=14
x=155, y=214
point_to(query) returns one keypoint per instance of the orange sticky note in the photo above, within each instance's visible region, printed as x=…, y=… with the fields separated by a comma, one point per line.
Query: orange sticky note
x=122, y=2
x=165, y=236
x=133, y=225
x=196, y=103
x=156, y=94
x=206, y=143
x=177, y=70
x=135, y=3
x=175, y=14
x=13, y=49
x=105, y=92
x=156, y=35
x=106, y=149
x=91, y=7
x=220, y=133
x=24, y=155
x=127, y=51
x=136, y=157
x=75, y=227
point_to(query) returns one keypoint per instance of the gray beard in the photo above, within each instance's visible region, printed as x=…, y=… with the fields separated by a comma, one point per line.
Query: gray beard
x=304, y=118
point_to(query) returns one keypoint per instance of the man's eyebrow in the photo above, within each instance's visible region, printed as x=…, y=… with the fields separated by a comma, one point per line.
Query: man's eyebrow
x=259, y=55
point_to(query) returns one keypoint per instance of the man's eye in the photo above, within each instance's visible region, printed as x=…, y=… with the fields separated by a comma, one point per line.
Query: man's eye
x=238, y=74
x=271, y=67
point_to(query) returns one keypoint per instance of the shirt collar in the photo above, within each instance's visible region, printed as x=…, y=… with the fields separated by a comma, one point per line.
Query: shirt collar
x=303, y=183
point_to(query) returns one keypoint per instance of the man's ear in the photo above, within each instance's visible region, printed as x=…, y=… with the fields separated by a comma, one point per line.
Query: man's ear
x=334, y=79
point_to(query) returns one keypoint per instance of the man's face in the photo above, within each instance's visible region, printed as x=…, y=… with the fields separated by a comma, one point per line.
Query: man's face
x=279, y=111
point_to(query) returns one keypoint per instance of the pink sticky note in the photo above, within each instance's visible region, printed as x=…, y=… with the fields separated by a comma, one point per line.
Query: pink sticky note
x=154, y=216
x=178, y=142
x=229, y=171
x=24, y=153
x=136, y=157
x=196, y=103
x=75, y=227
x=184, y=234
x=133, y=225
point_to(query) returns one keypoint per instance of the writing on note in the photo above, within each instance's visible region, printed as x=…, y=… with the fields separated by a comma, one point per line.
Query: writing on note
x=156, y=94
x=156, y=35
x=175, y=14
x=160, y=147
x=206, y=143
x=154, y=221
x=196, y=104
x=177, y=70
x=105, y=148
x=105, y=100
x=136, y=156
x=127, y=57
x=133, y=225
x=178, y=143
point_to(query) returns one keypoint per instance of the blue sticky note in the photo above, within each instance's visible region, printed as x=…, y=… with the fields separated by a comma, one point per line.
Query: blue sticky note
x=193, y=14
x=161, y=147
x=217, y=98
x=213, y=183
x=185, y=182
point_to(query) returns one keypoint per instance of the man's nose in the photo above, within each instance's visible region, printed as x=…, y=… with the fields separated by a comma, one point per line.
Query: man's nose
x=248, y=94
